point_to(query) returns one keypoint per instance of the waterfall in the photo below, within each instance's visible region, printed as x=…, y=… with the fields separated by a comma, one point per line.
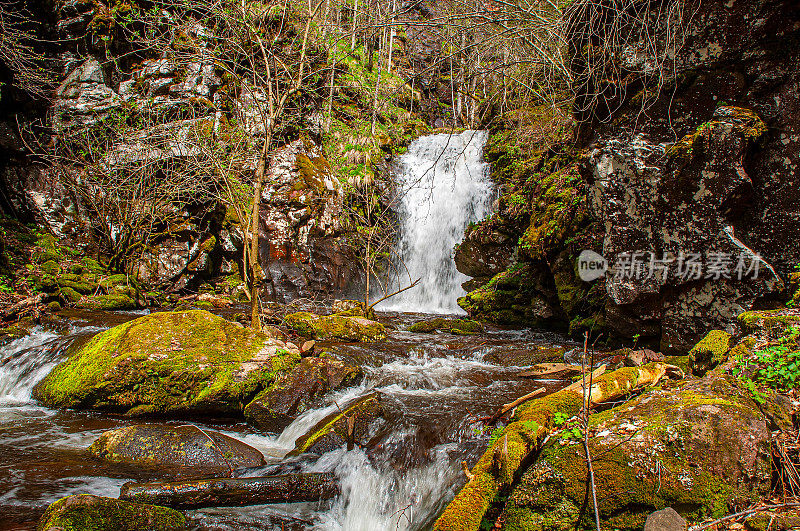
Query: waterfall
x=446, y=186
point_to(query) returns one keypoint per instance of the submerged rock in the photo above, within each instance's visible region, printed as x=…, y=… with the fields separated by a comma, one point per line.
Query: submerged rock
x=454, y=326
x=169, y=362
x=349, y=425
x=86, y=512
x=293, y=393
x=187, y=448
x=703, y=447
x=335, y=327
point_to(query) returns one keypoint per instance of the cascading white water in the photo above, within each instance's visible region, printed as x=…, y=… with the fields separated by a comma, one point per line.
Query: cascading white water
x=446, y=186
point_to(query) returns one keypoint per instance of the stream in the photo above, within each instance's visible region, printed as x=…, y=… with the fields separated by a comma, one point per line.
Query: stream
x=432, y=386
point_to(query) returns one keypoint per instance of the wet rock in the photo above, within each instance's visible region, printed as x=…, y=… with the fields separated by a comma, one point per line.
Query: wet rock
x=168, y=362
x=454, y=326
x=235, y=492
x=527, y=356
x=702, y=446
x=351, y=308
x=709, y=352
x=347, y=426
x=295, y=392
x=188, y=449
x=637, y=358
x=88, y=512
x=335, y=327
x=665, y=520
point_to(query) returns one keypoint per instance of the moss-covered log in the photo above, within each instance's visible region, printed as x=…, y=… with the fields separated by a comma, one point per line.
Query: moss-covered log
x=234, y=492
x=525, y=434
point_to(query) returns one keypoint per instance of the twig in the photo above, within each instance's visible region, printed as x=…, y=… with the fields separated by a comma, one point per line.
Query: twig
x=585, y=422
x=511, y=405
x=743, y=513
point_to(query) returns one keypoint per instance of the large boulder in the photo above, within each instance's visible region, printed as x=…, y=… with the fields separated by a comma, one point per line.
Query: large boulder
x=277, y=406
x=85, y=512
x=702, y=447
x=188, y=449
x=335, y=327
x=169, y=362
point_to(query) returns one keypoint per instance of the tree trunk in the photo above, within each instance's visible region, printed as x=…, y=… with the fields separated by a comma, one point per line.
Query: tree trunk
x=255, y=222
x=233, y=492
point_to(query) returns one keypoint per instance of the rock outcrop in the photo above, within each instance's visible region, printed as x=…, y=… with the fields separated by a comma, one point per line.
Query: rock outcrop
x=686, y=159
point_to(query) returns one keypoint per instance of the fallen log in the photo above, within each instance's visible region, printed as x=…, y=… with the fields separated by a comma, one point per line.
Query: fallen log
x=233, y=492
x=525, y=434
x=16, y=308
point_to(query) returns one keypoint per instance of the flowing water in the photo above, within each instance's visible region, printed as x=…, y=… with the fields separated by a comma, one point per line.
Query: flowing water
x=446, y=186
x=431, y=386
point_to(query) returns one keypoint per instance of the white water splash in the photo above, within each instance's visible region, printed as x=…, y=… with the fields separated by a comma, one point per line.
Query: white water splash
x=387, y=500
x=448, y=187
x=27, y=361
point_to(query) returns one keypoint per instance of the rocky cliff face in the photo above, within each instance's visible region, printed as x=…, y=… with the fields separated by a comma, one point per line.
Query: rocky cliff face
x=693, y=158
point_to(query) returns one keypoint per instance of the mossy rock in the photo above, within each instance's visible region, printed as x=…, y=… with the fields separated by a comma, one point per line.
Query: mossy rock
x=168, y=362
x=92, y=265
x=352, y=309
x=709, y=352
x=108, y=303
x=51, y=267
x=769, y=323
x=86, y=512
x=335, y=430
x=702, y=448
x=69, y=295
x=335, y=327
x=187, y=449
x=15, y=331
x=454, y=326
x=294, y=393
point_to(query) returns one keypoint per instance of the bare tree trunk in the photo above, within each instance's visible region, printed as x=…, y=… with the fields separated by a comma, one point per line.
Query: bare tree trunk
x=255, y=263
x=355, y=18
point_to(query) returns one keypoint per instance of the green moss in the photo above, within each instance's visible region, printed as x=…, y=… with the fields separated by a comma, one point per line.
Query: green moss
x=51, y=267
x=769, y=322
x=335, y=327
x=709, y=352
x=167, y=361
x=455, y=326
x=109, y=302
x=744, y=120
x=84, y=512
x=69, y=295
